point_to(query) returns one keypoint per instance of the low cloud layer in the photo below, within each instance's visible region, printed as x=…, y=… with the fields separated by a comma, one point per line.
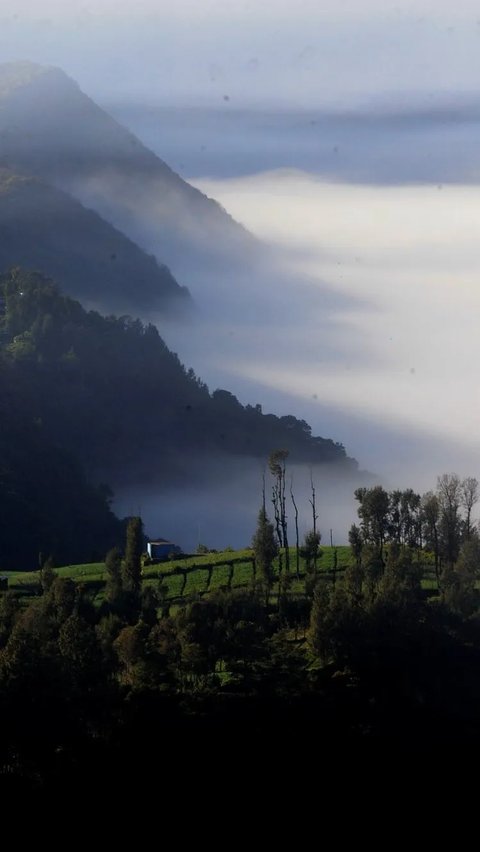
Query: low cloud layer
x=220, y=507
x=385, y=333
x=397, y=139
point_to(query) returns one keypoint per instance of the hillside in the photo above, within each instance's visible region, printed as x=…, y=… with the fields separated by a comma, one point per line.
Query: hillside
x=42, y=227
x=47, y=505
x=188, y=576
x=109, y=391
x=50, y=128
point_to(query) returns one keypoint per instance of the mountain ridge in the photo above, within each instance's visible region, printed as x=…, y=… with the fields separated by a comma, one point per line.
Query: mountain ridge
x=50, y=128
x=42, y=227
x=148, y=407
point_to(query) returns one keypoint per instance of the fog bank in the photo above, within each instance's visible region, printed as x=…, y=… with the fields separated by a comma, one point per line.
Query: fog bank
x=389, y=333
x=220, y=504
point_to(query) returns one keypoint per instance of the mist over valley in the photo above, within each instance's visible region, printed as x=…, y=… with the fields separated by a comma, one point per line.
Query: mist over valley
x=316, y=298
x=368, y=297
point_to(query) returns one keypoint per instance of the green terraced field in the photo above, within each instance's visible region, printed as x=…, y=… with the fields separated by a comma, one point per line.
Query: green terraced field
x=190, y=576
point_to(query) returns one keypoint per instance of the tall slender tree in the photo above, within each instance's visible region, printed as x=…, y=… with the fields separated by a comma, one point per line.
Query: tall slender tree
x=297, y=541
x=449, y=496
x=373, y=512
x=132, y=565
x=113, y=571
x=265, y=548
x=310, y=554
x=468, y=498
x=431, y=518
x=313, y=503
x=277, y=465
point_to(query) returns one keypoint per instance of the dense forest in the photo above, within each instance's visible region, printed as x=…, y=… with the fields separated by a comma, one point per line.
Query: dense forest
x=105, y=396
x=384, y=652
x=47, y=504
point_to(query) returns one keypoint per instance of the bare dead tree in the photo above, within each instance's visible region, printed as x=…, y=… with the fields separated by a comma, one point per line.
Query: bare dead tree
x=297, y=544
x=313, y=504
x=284, y=520
x=277, y=467
x=278, y=526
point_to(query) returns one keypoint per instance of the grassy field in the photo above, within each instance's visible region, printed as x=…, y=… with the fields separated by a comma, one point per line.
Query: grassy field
x=192, y=575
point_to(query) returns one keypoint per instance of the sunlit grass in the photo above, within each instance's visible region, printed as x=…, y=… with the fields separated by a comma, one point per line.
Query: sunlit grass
x=189, y=576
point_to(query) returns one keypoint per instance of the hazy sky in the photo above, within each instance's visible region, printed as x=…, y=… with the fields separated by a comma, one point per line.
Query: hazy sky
x=275, y=51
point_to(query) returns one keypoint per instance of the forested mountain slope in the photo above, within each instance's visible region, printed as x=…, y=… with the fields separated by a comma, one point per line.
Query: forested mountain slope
x=109, y=390
x=47, y=507
x=42, y=227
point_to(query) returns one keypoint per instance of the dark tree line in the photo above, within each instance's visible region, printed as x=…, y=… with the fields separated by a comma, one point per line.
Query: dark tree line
x=439, y=521
x=374, y=656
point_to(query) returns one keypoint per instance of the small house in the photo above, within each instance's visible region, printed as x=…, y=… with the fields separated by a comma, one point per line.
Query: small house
x=160, y=548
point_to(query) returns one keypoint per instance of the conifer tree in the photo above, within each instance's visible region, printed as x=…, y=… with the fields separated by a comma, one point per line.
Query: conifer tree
x=47, y=574
x=310, y=553
x=132, y=566
x=264, y=547
x=113, y=570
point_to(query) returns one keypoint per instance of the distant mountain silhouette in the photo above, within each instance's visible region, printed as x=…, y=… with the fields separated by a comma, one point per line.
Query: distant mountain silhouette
x=50, y=128
x=43, y=228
